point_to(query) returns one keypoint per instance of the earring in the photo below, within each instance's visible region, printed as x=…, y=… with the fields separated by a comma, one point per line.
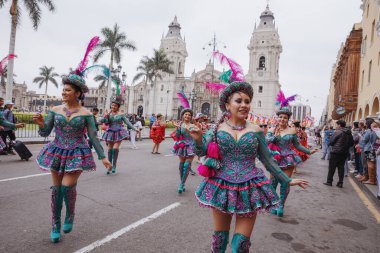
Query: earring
x=227, y=114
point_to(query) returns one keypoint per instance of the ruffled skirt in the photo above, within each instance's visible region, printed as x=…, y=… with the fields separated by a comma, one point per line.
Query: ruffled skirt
x=183, y=149
x=290, y=160
x=242, y=199
x=115, y=136
x=64, y=161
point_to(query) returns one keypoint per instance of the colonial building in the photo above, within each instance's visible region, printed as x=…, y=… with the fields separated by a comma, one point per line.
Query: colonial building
x=300, y=111
x=369, y=79
x=346, y=77
x=264, y=58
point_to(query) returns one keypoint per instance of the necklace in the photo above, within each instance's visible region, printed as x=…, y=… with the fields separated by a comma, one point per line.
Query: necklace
x=68, y=112
x=238, y=128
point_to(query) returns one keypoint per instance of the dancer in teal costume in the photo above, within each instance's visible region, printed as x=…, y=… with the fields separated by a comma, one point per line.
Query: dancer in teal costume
x=68, y=155
x=233, y=184
x=115, y=133
x=285, y=137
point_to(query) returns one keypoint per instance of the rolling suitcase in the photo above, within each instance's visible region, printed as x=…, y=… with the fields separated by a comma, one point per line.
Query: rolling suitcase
x=22, y=150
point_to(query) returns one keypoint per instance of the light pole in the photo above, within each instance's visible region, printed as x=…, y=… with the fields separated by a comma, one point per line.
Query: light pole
x=109, y=86
x=213, y=43
x=193, y=98
x=167, y=104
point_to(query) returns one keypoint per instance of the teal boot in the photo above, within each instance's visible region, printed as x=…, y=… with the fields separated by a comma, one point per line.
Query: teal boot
x=110, y=156
x=114, y=162
x=70, y=197
x=56, y=208
x=180, y=187
x=274, y=182
x=219, y=241
x=284, y=191
x=185, y=173
x=240, y=244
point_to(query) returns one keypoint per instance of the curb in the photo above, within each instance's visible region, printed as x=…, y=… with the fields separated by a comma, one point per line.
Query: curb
x=366, y=191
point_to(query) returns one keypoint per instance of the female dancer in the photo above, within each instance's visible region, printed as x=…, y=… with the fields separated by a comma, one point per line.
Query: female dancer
x=157, y=133
x=115, y=133
x=285, y=138
x=302, y=137
x=183, y=147
x=233, y=184
x=68, y=154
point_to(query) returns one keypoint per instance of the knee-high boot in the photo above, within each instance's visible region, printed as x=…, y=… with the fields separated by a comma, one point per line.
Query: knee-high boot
x=240, y=243
x=110, y=157
x=56, y=208
x=274, y=182
x=180, y=187
x=185, y=174
x=219, y=241
x=115, y=156
x=284, y=192
x=70, y=197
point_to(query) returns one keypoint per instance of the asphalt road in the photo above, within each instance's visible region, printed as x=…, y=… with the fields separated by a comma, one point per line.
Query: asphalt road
x=319, y=219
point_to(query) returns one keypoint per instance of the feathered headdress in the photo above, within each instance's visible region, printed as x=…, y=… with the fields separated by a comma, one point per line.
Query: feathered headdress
x=184, y=101
x=91, y=46
x=4, y=62
x=283, y=103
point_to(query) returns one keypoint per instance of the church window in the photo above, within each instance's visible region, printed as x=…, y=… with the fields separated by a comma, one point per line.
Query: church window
x=260, y=89
x=141, y=89
x=372, y=32
x=259, y=103
x=265, y=23
x=161, y=100
x=141, y=98
x=162, y=87
x=179, y=68
x=369, y=72
x=262, y=41
x=262, y=62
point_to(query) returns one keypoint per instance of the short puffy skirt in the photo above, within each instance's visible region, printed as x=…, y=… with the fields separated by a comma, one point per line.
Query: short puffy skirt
x=115, y=136
x=290, y=160
x=64, y=161
x=2, y=145
x=183, y=149
x=303, y=155
x=243, y=199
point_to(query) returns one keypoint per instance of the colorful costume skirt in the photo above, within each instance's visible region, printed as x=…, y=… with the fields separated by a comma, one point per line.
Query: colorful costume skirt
x=290, y=160
x=183, y=149
x=64, y=161
x=303, y=155
x=2, y=145
x=115, y=136
x=242, y=199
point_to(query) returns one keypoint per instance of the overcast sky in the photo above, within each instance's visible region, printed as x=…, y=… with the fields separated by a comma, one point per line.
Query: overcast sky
x=311, y=33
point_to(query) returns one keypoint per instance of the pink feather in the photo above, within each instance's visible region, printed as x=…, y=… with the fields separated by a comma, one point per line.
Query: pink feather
x=4, y=62
x=237, y=71
x=82, y=65
x=284, y=101
x=215, y=87
x=123, y=89
x=183, y=99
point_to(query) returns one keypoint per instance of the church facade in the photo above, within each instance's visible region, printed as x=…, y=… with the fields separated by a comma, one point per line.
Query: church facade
x=264, y=52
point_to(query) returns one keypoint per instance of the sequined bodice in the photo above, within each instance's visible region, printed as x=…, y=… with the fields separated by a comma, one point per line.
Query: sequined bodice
x=238, y=158
x=115, y=122
x=186, y=136
x=285, y=143
x=70, y=134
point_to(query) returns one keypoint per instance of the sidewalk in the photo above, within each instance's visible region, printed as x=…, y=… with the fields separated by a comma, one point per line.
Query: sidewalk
x=369, y=190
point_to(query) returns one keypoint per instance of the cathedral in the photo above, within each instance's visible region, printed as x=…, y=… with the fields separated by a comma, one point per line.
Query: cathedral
x=264, y=52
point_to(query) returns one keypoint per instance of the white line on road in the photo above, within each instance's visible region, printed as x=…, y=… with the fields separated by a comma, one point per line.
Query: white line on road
x=128, y=228
x=169, y=155
x=16, y=178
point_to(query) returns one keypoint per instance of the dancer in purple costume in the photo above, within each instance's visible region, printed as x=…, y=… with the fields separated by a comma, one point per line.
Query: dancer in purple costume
x=115, y=133
x=285, y=138
x=233, y=184
x=68, y=155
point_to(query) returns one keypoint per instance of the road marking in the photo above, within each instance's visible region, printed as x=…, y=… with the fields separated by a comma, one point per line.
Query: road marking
x=169, y=155
x=16, y=178
x=128, y=228
x=365, y=200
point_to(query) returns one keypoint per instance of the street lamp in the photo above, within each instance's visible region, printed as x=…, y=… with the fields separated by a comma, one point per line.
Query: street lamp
x=167, y=104
x=193, y=98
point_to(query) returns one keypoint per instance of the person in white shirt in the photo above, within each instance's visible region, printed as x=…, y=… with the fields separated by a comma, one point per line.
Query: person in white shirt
x=137, y=124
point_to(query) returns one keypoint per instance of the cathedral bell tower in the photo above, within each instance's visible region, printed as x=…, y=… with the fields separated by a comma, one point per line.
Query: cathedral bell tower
x=264, y=57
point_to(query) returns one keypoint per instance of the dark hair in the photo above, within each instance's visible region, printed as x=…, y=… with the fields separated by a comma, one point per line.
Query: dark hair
x=118, y=105
x=356, y=124
x=303, y=128
x=341, y=123
x=368, y=122
x=297, y=124
x=1, y=98
x=77, y=89
x=95, y=109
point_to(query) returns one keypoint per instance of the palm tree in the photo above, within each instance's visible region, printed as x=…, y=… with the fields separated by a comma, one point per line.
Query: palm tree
x=159, y=64
x=114, y=41
x=145, y=70
x=34, y=10
x=46, y=75
x=3, y=77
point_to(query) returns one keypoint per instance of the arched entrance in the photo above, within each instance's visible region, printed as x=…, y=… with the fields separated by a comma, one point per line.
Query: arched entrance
x=366, y=111
x=360, y=114
x=375, y=107
x=206, y=109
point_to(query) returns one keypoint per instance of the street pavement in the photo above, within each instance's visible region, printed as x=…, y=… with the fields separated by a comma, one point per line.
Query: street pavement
x=132, y=202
